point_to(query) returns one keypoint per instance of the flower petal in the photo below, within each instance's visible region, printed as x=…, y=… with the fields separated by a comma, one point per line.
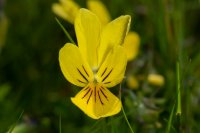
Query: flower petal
x=96, y=101
x=88, y=27
x=97, y=7
x=113, y=34
x=111, y=72
x=67, y=9
x=74, y=68
x=131, y=45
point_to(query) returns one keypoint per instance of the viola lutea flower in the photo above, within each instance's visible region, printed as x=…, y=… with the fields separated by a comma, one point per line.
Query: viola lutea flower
x=97, y=63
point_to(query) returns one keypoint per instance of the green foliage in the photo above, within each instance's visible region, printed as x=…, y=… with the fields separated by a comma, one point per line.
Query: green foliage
x=31, y=80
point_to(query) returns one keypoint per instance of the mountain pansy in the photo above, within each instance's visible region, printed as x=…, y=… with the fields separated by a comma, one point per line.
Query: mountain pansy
x=97, y=63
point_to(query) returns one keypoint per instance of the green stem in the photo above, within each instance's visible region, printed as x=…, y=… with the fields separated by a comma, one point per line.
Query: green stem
x=129, y=125
x=13, y=127
x=178, y=111
x=60, y=124
x=169, y=125
x=65, y=31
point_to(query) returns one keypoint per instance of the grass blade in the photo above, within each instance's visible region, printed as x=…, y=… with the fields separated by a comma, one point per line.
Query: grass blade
x=169, y=125
x=128, y=123
x=65, y=31
x=13, y=126
x=178, y=110
x=60, y=124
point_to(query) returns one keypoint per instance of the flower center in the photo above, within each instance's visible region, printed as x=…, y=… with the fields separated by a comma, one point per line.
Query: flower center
x=95, y=69
x=96, y=78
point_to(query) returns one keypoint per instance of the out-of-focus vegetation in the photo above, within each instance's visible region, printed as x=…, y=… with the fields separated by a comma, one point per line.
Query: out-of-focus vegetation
x=32, y=84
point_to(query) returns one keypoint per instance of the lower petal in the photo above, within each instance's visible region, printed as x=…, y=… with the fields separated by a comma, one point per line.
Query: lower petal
x=97, y=101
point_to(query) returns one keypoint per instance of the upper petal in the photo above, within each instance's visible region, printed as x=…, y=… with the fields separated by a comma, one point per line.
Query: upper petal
x=88, y=27
x=113, y=34
x=97, y=7
x=97, y=101
x=67, y=9
x=131, y=45
x=111, y=72
x=73, y=67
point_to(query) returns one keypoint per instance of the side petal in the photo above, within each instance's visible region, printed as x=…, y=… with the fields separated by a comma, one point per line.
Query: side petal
x=113, y=34
x=96, y=101
x=73, y=67
x=131, y=45
x=111, y=72
x=67, y=9
x=97, y=7
x=88, y=27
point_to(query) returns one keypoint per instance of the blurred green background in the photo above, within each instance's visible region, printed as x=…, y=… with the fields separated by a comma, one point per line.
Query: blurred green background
x=31, y=83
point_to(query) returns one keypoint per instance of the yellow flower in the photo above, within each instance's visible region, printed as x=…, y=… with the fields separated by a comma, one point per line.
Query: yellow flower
x=131, y=45
x=97, y=7
x=68, y=9
x=132, y=82
x=98, y=63
x=156, y=79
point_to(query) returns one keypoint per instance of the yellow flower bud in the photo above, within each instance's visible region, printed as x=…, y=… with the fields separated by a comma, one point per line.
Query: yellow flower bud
x=156, y=79
x=132, y=82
